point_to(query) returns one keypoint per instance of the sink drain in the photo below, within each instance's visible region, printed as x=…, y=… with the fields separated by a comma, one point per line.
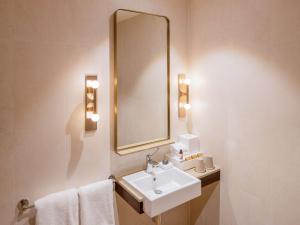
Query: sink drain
x=158, y=192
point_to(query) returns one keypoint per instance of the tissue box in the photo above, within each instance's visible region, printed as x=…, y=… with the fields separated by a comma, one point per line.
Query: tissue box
x=191, y=142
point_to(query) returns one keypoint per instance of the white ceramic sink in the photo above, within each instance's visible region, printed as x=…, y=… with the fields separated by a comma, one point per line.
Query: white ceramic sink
x=171, y=188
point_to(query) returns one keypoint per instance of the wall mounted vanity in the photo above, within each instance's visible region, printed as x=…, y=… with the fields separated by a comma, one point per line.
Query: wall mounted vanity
x=136, y=200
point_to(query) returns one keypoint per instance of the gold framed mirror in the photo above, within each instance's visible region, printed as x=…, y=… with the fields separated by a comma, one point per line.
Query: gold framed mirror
x=141, y=81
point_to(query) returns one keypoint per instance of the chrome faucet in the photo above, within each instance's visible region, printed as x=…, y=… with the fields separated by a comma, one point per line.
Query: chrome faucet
x=150, y=163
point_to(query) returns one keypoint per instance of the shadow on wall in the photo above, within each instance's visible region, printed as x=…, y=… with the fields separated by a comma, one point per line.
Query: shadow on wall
x=74, y=129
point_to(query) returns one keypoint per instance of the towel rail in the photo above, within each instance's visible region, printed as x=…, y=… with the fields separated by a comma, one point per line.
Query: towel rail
x=24, y=204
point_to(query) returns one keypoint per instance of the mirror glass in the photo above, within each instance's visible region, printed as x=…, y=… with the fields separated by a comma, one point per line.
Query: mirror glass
x=141, y=80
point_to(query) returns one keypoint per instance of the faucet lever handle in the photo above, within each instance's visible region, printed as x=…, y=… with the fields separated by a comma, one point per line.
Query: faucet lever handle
x=148, y=158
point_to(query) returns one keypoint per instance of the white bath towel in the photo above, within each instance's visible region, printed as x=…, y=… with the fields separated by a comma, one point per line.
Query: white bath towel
x=96, y=204
x=58, y=209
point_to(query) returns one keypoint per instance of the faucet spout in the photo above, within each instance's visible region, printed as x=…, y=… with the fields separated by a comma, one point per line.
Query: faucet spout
x=150, y=163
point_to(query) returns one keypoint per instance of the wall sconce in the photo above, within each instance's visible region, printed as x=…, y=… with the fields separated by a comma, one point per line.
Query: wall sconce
x=91, y=115
x=183, y=95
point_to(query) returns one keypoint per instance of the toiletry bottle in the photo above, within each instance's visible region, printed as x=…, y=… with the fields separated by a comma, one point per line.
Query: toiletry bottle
x=181, y=154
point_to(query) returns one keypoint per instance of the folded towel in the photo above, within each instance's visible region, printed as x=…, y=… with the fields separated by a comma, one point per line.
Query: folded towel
x=58, y=209
x=96, y=204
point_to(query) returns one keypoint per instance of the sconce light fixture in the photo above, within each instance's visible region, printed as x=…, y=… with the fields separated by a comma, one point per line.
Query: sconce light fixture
x=183, y=95
x=91, y=115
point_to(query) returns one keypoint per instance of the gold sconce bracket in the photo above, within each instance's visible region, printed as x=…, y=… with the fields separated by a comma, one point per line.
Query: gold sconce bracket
x=183, y=95
x=91, y=115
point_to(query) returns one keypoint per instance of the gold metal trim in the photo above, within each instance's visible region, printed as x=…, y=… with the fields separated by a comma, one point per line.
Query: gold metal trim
x=145, y=147
x=89, y=124
x=141, y=143
x=123, y=150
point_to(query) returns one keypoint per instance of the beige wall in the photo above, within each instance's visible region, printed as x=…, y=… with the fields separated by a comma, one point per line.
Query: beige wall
x=46, y=48
x=244, y=64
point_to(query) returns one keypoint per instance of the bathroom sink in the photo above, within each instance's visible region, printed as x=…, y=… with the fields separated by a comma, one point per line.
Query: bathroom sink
x=164, y=188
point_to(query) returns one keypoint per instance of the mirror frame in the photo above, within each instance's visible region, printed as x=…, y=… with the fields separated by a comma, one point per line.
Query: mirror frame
x=131, y=148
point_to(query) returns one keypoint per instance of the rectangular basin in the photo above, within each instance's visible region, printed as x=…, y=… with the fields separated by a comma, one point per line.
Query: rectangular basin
x=171, y=188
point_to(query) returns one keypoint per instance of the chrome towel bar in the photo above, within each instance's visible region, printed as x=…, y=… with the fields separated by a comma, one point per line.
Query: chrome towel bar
x=24, y=204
